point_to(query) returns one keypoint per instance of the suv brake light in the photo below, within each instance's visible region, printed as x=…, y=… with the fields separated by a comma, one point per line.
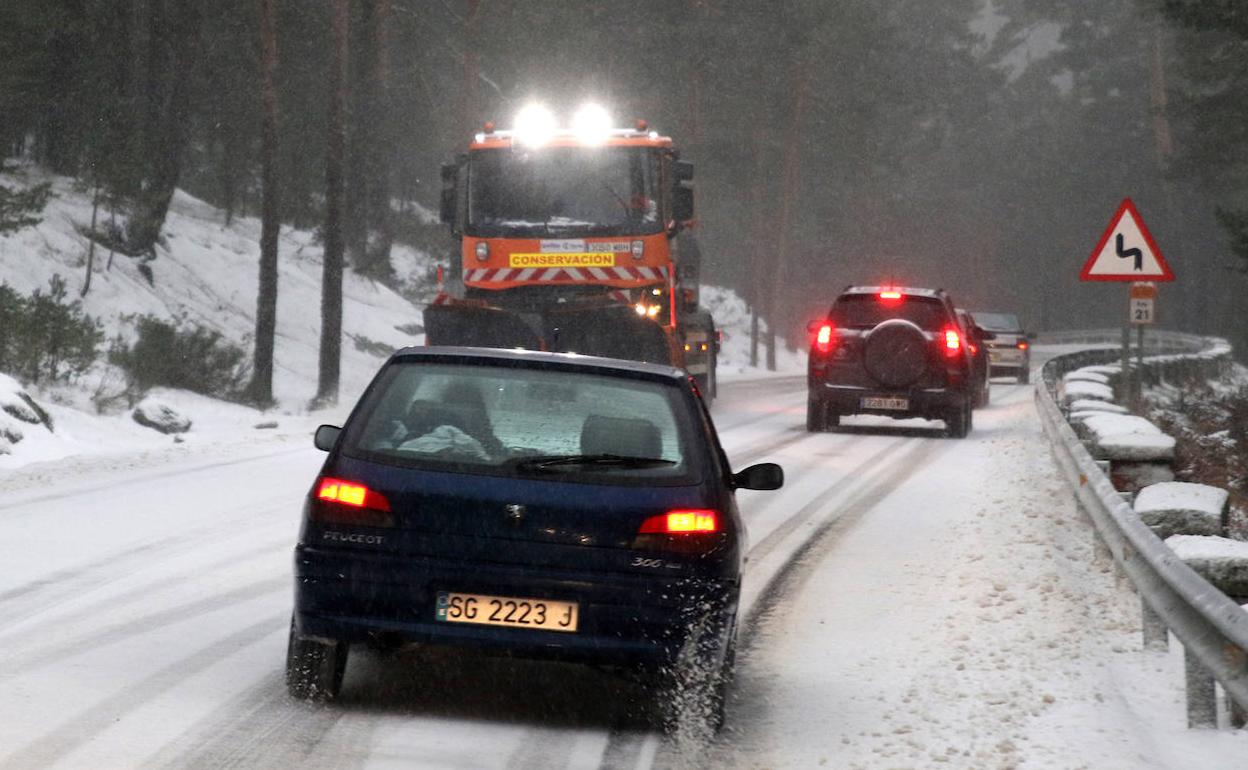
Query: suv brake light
x=953, y=342
x=888, y=296
x=823, y=340
x=1022, y=344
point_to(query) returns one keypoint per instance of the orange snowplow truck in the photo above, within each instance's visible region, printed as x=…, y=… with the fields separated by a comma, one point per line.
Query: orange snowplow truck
x=568, y=241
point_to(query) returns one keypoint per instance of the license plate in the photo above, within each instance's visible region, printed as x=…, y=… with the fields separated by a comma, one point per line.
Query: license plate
x=883, y=402
x=486, y=610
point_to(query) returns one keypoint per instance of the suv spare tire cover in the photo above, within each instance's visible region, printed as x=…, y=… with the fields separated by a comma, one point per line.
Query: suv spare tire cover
x=895, y=353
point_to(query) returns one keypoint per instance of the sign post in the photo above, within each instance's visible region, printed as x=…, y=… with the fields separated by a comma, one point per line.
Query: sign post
x=1127, y=252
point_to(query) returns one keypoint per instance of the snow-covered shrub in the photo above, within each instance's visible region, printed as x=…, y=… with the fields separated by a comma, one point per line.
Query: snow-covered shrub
x=189, y=357
x=43, y=338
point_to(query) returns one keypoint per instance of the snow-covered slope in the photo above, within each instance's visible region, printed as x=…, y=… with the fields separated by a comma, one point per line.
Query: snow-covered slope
x=732, y=317
x=207, y=273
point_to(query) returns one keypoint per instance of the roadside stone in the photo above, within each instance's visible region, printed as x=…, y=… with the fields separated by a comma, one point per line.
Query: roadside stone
x=160, y=417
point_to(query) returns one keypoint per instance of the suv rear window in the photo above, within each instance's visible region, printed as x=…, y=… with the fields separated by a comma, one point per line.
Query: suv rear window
x=490, y=419
x=866, y=311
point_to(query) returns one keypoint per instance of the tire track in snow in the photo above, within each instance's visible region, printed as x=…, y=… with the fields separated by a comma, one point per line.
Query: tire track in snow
x=636, y=751
x=80, y=729
x=791, y=577
x=15, y=665
x=39, y=596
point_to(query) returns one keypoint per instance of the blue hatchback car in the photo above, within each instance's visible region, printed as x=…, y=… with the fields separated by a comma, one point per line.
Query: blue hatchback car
x=545, y=505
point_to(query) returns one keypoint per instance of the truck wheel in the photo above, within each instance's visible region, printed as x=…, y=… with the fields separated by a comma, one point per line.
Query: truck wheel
x=314, y=667
x=816, y=416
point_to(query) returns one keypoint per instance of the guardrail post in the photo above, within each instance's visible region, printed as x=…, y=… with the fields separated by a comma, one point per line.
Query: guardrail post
x=1156, y=635
x=1239, y=714
x=1202, y=694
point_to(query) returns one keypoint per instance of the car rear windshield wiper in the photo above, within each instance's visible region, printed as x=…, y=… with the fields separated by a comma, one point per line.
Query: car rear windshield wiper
x=546, y=462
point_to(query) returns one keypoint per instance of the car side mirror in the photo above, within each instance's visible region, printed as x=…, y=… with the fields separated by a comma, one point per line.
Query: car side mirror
x=326, y=436
x=760, y=476
x=1030, y=336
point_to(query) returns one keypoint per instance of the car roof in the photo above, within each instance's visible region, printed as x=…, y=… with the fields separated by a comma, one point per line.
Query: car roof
x=540, y=359
x=911, y=290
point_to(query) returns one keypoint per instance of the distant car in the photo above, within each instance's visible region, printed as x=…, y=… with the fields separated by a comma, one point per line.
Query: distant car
x=976, y=342
x=1009, y=353
x=890, y=351
x=543, y=505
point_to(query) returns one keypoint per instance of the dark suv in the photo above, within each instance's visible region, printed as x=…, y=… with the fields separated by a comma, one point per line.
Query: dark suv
x=898, y=352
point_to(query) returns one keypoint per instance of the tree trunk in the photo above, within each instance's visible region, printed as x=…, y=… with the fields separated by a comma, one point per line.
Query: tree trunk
x=261, y=389
x=791, y=179
x=173, y=41
x=380, y=149
x=331, y=281
x=95, y=212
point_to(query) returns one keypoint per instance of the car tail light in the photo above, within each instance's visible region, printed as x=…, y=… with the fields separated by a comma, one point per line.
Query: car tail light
x=349, y=502
x=824, y=338
x=890, y=296
x=681, y=522
x=953, y=342
x=1022, y=344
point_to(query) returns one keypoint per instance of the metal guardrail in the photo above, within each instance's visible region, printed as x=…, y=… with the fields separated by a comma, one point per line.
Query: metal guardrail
x=1212, y=627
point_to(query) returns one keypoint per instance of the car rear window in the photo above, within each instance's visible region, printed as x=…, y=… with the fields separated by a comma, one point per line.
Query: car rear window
x=998, y=322
x=491, y=419
x=866, y=311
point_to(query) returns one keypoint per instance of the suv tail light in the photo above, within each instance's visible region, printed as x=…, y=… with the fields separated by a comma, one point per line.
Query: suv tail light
x=890, y=296
x=824, y=338
x=1022, y=344
x=953, y=342
x=349, y=502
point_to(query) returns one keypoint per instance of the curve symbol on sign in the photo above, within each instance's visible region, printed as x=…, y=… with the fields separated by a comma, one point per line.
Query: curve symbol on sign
x=1125, y=253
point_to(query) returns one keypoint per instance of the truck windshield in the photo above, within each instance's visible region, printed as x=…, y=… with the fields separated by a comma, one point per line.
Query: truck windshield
x=564, y=191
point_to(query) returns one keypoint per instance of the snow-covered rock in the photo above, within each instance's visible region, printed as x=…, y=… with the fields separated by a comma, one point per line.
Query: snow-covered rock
x=1127, y=437
x=18, y=411
x=1220, y=560
x=1083, y=375
x=160, y=417
x=1180, y=508
x=1093, y=405
x=1077, y=390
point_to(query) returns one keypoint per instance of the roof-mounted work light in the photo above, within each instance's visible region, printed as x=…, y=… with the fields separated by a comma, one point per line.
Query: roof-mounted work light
x=592, y=124
x=535, y=125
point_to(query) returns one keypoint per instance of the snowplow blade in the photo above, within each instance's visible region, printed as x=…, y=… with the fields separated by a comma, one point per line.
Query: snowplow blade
x=613, y=332
x=476, y=326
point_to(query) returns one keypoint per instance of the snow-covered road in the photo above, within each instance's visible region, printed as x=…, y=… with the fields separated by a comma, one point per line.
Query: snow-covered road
x=913, y=601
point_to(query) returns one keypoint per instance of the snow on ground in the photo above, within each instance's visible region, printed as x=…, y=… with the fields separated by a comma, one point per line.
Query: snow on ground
x=963, y=625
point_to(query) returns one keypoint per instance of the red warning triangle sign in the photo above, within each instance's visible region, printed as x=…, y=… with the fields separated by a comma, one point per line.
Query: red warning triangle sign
x=1127, y=251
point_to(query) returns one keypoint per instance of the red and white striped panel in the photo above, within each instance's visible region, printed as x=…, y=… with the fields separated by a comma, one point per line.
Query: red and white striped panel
x=566, y=274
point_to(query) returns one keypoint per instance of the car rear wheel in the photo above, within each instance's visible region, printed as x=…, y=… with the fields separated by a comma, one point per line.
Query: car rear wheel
x=958, y=420
x=983, y=395
x=816, y=416
x=692, y=695
x=314, y=667
x=1024, y=376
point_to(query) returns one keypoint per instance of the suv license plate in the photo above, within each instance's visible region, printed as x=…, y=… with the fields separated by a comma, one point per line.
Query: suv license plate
x=879, y=402
x=486, y=610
